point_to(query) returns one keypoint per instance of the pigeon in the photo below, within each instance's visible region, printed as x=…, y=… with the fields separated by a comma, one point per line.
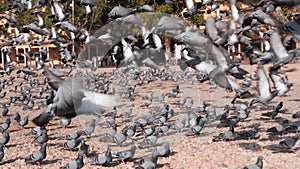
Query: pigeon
x=125, y=155
x=251, y=134
x=257, y=165
x=119, y=138
x=75, y=164
x=71, y=144
x=226, y=136
x=37, y=156
x=5, y=126
x=265, y=93
x=151, y=140
x=23, y=122
x=289, y=142
x=84, y=148
x=281, y=86
x=149, y=162
x=5, y=139
x=163, y=150
x=41, y=138
x=102, y=159
x=90, y=128
x=275, y=112
x=296, y=115
x=65, y=123
x=74, y=135
x=1, y=152
x=17, y=117
x=73, y=99
x=197, y=128
x=280, y=128
x=5, y=110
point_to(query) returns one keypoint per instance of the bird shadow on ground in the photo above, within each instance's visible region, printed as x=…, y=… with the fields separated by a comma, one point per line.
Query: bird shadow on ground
x=272, y=137
x=275, y=148
x=250, y=146
x=10, y=161
x=295, y=100
x=11, y=145
x=250, y=126
x=49, y=161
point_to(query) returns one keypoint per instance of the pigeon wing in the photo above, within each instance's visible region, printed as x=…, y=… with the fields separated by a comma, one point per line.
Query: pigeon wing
x=263, y=83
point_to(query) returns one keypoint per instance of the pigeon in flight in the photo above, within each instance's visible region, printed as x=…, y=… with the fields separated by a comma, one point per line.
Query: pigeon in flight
x=73, y=99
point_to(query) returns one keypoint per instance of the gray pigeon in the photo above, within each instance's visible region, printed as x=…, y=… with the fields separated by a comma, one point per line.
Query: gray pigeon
x=289, y=142
x=74, y=135
x=257, y=165
x=163, y=150
x=73, y=99
x=75, y=164
x=41, y=137
x=65, y=123
x=264, y=89
x=102, y=159
x=37, y=156
x=149, y=162
x=24, y=122
x=71, y=144
x=5, y=110
x=227, y=135
x=5, y=126
x=84, y=148
x=5, y=139
x=1, y=152
x=126, y=155
x=90, y=128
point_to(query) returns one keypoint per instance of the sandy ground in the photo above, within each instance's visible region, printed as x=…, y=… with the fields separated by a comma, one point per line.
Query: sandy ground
x=187, y=151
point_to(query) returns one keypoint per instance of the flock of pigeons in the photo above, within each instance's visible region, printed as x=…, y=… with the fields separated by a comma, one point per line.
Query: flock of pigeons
x=75, y=92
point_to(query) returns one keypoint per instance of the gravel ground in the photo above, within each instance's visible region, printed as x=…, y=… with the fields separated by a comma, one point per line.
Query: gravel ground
x=186, y=151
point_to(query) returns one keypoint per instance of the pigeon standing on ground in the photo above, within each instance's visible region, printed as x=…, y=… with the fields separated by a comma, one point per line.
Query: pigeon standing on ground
x=71, y=144
x=289, y=142
x=5, y=126
x=228, y=135
x=1, y=152
x=5, y=139
x=75, y=164
x=257, y=165
x=102, y=159
x=37, y=156
x=65, y=122
x=275, y=112
x=126, y=155
x=23, y=122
